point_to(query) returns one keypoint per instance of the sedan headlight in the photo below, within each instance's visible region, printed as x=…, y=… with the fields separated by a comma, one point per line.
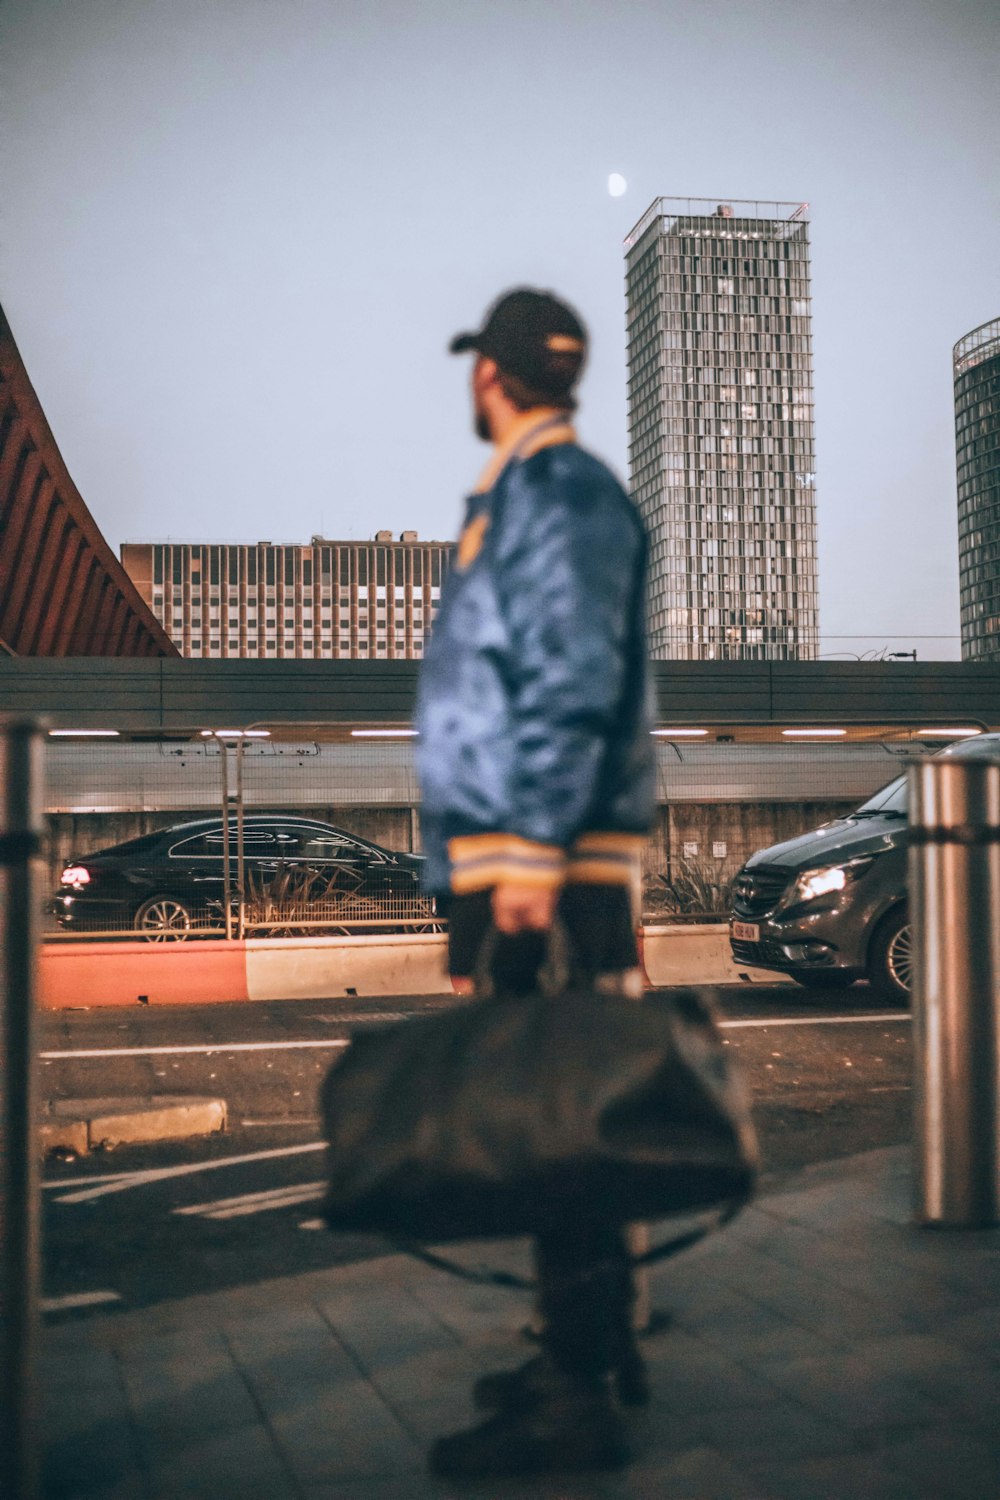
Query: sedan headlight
x=812, y=883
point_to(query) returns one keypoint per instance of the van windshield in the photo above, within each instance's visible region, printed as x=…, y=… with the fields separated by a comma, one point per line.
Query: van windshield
x=888, y=803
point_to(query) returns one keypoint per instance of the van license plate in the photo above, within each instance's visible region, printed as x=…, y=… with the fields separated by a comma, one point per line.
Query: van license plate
x=746, y=932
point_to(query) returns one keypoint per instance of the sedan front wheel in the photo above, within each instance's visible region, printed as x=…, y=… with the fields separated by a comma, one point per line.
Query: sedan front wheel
x=163, y=919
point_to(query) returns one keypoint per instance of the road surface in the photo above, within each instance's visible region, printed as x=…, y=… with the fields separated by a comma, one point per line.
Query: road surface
x=829, y=1076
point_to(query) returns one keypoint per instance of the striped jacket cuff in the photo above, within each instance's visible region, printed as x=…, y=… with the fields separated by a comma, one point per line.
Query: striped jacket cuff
x=488, y=859
x=605, y=859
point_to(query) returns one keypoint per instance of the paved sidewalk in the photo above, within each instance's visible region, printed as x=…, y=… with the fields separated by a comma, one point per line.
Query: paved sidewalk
x=823, y=1349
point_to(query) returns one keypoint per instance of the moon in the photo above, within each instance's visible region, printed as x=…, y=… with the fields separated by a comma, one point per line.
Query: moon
x=616, y=184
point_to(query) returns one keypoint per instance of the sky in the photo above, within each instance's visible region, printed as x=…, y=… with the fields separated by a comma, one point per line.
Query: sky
x=237, y=235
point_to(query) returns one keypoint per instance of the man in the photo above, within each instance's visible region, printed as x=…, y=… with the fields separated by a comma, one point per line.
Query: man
x=536, y=767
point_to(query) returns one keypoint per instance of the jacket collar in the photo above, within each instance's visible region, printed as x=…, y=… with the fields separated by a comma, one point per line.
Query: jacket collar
x=542, y=427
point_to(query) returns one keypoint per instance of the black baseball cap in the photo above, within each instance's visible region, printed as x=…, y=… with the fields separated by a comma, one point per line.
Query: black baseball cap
x=533, y=336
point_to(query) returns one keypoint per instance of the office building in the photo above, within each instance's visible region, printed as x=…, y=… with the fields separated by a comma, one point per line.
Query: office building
x=328, y=599
x=721, y=448
x=977, y=442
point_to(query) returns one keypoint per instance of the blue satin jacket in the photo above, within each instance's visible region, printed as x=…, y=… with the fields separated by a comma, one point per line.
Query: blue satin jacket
x=534, y=751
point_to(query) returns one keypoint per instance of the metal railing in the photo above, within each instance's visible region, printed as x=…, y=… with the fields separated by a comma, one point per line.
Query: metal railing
x=20, y=869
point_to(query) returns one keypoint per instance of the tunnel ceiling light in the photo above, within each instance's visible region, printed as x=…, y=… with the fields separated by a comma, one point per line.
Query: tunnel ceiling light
x=947, y=734
x=101, y=734
x=236, y=734
x=797, y=734
x=383, y=734
x=674, y=734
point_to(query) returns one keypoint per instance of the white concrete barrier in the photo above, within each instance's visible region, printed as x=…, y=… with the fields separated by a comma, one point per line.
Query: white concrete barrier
x=328, y=967
x=691, y=953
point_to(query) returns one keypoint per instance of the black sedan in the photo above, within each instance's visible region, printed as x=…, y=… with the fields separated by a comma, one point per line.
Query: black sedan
x=295, y=871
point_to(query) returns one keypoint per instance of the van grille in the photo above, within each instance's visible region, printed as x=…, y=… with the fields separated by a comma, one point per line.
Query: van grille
x=757, y=892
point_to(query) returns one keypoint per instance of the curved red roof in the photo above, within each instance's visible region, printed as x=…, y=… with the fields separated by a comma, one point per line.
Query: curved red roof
x=62, y=590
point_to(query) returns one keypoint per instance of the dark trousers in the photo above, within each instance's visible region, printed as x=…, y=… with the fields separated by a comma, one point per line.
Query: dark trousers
x=585, y=1281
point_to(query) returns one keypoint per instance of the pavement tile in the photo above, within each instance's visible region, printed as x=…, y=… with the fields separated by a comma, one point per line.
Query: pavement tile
x=845, y=1389
x=781, y=1429
x=857, y=1476
x=976, y=1329
x=445, y=1374
x=806, y=1298
x=278, y=1364
x=243, y=1465
x=381, y=1329
x=70, y=1412
x=701, y=1473
x=101, y=1455
x=413, y=1487
x=83, y=1364
x=131, y=1486
x=327, y=1419
x=693, y=1376
x=471, y=1312
x=853, y=1266
x=344, y=1435
x=947, y=1462
x=747, y=1331
x=963, y=1385
x=172, y=1400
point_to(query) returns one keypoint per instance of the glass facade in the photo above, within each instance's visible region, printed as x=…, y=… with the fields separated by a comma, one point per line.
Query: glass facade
x=977, y=444
x=721, y=448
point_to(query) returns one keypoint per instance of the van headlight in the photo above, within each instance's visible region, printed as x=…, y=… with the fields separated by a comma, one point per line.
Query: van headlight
x=812, y=883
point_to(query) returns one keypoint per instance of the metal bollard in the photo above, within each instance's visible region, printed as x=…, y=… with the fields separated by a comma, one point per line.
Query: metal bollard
x=954, y=888
x=20, y=889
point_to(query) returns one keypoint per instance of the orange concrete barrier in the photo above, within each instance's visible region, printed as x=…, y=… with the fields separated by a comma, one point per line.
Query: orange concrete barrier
x=88, y=975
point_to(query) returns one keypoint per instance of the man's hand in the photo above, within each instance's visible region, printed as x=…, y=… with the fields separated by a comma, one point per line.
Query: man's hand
x=524, y=908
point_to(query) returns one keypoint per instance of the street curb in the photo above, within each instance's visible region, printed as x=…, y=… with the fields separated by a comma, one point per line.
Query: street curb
x=82, y=1125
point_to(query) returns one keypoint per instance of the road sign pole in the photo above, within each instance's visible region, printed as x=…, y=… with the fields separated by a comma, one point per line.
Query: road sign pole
x=955, y=911
x=20, y=896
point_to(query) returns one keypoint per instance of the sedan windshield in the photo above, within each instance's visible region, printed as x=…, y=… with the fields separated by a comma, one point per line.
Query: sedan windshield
x=890, y=802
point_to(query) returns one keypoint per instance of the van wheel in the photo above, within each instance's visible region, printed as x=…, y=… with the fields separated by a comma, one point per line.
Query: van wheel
x=890, y=958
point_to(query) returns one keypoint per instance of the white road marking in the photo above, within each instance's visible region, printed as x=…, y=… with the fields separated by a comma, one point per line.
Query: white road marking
x=295, y=1121
x=256, y=1203
x=125, y=1181
x=212, y=1051
x=880, y=1020
x=209, y=1051
x=77, y=1299
x=313, y=1224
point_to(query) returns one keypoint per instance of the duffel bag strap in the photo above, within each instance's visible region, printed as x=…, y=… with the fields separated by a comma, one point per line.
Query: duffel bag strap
x=482, y=1276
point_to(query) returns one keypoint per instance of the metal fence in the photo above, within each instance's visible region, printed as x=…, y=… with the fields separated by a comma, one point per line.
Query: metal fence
x=305, y=818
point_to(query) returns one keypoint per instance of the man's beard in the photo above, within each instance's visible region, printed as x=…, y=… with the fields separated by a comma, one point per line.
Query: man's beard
x=481, y=426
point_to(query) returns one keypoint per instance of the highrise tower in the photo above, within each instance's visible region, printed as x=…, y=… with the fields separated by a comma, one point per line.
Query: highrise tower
x=977, y=441
x=721, y=445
